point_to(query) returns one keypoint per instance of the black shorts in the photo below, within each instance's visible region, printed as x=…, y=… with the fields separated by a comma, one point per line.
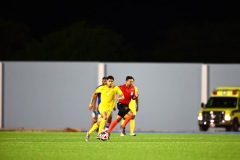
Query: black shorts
x=123, y=109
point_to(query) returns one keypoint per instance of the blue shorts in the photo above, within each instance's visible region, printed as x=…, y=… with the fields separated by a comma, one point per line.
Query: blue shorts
x=95, y=113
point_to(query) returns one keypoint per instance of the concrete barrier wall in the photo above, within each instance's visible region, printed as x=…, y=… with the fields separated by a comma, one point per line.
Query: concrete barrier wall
x=57, y=94
x=48, y=94
x=170, y=93
x=223, y=75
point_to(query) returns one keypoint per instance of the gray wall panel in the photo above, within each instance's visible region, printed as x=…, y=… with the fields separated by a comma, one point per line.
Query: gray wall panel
x=56, y=94
x=170, y=94
x=48, y=94
x=223, y=75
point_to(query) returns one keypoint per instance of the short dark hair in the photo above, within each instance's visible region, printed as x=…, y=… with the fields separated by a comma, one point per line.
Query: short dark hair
x=104, y=78
x=129, y=77
x=110, y=77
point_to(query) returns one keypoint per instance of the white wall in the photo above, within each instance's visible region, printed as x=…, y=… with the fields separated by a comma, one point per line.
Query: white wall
x=57, y=94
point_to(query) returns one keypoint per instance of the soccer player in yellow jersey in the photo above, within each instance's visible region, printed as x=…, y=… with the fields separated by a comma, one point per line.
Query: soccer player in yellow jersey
x=108, y=97
x=133, y=105
x=95, y=111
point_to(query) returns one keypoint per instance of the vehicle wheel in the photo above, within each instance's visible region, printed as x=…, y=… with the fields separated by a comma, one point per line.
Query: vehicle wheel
x=203, y=128
x=235, y=125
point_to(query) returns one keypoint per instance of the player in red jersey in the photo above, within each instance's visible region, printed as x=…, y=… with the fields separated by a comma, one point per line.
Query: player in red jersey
x=123, y=105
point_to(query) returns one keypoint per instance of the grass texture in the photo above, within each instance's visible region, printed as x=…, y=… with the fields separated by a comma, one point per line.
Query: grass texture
x=145, y=146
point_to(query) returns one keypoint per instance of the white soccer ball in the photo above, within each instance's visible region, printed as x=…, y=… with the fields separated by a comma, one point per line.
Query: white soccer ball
x=104, y=136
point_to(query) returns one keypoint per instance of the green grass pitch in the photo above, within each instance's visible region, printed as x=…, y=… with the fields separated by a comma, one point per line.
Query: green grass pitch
x=145, y=146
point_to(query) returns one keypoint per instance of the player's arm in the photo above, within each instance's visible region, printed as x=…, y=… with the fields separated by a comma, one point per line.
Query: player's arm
x=135, y=96
x=137, y=104
x=114, y=103
x=92, y=101
x=120, y=94
x=95, y=101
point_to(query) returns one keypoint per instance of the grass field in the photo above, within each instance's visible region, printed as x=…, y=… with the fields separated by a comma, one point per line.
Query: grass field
x=145, y=146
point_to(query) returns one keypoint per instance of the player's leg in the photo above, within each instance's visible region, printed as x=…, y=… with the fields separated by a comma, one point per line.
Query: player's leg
x=132, y=127
x=94, y=118
x=103, y=121
x=127, y=119
x=132, y=122
x=109, y=120
x=92, y=129
x=87, y=137
x=104, y=113
x=113, y=124
x=122, y=122
x=121, y=113
x=98, y=123
x=95, y=126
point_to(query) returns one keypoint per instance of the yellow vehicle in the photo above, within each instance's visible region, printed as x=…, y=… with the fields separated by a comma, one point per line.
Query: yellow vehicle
x=221, y=110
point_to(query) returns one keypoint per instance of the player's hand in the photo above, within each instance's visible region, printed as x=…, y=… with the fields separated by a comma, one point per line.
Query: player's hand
x=120, y=97
x=136, y=94
x=114, y=108
x=90, y=107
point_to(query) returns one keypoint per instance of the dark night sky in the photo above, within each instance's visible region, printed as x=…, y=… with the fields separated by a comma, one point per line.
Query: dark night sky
x=124, y=17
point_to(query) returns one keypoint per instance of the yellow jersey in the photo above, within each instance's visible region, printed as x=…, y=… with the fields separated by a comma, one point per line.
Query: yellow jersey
x=108, y=95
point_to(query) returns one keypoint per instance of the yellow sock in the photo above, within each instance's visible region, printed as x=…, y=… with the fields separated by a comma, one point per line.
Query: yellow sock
x=94, y=127
x=132, y=125
x=102, y=125
x=122, y=121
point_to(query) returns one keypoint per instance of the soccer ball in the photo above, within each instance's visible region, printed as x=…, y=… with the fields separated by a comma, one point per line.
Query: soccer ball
x=104, y=136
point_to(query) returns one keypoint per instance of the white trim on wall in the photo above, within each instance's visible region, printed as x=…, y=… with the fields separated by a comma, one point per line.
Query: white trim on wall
x=204, y=83
x=101, y=72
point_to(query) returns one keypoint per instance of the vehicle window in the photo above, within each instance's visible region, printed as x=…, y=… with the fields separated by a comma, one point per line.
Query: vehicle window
x=222, y=102
x=239, y=103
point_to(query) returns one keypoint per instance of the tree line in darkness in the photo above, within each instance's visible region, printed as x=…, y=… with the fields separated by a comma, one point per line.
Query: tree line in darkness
x=207, y=43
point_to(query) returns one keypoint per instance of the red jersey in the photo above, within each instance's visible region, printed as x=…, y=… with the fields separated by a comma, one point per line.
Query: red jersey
x=128, y=93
